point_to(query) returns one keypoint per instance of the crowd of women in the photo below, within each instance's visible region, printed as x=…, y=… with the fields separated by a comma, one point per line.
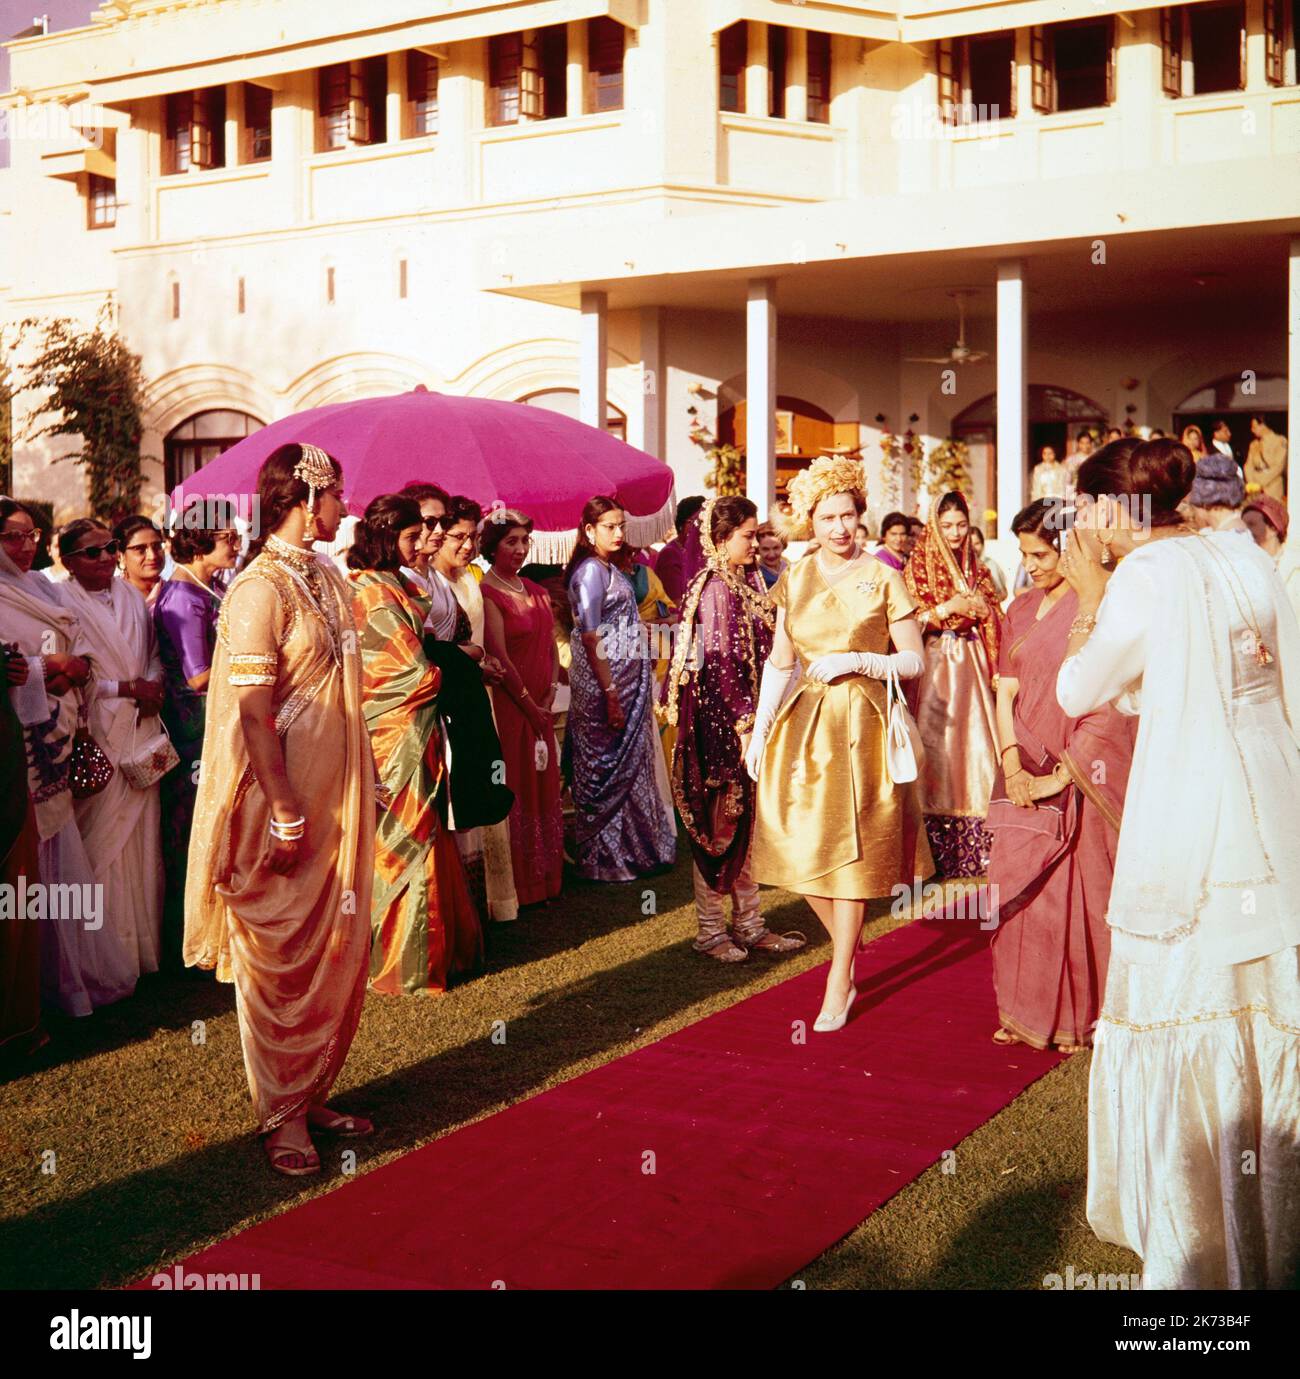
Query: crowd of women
x=359, y=769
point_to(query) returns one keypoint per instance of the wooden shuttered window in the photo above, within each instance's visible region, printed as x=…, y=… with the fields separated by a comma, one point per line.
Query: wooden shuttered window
x=606, y=42
x=421, y=92
x=947, y=57
x=1171, y=50
x=1042, y=86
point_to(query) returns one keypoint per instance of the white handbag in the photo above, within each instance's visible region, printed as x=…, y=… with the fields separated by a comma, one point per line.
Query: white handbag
x=146, y=763
x=901, y=737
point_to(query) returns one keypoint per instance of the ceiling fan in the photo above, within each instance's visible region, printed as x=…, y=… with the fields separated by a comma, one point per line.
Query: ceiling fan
x=961, y=352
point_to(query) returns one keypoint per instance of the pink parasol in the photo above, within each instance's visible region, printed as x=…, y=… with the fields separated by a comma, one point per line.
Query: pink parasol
x=498, y=453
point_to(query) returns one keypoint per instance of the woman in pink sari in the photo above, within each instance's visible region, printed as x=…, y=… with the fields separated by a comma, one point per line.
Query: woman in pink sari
x=1054, y=815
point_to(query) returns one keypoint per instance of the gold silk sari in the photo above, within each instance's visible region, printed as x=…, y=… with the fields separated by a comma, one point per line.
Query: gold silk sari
x=297, y=947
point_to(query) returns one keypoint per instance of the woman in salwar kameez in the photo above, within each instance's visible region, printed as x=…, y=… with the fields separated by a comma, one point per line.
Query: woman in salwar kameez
x=957, y=607
x=622, y=826
x=1054, y=816
x=710, y=697
x=1193, y=1150
x=282, y=850
x=425, y=928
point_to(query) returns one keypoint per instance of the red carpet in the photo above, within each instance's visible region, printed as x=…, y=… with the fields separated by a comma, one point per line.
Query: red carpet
x=764, y=1151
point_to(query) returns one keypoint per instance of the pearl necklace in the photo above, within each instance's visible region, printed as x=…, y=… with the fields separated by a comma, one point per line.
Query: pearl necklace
x=505, y=583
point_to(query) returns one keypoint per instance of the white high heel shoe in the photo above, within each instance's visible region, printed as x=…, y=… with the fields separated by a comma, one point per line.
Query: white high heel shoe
x=828, y=1024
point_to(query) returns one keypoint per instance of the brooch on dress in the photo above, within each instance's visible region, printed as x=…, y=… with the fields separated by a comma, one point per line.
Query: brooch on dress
x=867, y=586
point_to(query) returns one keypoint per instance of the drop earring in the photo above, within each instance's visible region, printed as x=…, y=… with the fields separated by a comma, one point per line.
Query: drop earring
x=1105, y=552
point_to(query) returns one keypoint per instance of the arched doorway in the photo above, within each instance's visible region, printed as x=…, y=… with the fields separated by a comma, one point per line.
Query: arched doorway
x=1056, y=416
x=1227, y=399
x=200, y=439
x=566, y=402
x=803, y=431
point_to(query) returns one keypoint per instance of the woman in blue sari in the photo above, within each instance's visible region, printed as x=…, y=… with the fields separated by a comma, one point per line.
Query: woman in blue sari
x=623, y=827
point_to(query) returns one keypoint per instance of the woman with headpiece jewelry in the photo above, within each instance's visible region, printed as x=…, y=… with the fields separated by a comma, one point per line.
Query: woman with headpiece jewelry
x=957, y=608
x=711, y=695
x=283, y=844
x=830, y=823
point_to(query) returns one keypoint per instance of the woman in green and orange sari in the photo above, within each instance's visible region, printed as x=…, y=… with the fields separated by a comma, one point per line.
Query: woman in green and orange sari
x=425, y=927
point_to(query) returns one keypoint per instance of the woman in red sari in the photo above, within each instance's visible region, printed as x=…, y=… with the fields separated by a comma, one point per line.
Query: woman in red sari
x=1054, y=815
x=518, y=629
x=957, y=607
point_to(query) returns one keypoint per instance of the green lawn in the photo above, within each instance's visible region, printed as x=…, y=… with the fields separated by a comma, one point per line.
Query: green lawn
x=155, y=1157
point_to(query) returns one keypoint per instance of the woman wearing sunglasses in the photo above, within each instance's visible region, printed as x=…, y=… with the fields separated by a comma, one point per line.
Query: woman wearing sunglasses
x=81, y=968
x=121, y=824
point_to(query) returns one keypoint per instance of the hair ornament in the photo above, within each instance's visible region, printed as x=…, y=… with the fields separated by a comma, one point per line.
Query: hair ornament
x=316, y=470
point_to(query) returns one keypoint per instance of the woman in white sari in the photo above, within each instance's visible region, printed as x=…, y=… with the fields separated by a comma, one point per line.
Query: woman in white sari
x=121, y=825
x=1193, y=1149
x=83, y=965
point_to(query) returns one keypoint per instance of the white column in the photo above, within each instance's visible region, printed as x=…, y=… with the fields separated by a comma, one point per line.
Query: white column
x=395, y=98
x=234, y=123
x=1013, y=392
x=1293, y=373
x=592, y=337
x=652, y=374
x=796, y=89
x=760, y=395
x=756, y=70
x=576, y=71
x=293, y=120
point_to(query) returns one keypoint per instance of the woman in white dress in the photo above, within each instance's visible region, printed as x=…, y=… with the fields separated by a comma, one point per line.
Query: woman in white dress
x=83, y=964
x=121, y=825
x=1193, y=1145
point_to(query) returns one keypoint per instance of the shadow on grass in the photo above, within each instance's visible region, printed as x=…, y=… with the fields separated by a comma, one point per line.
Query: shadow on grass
x=115, y=1233
x=172, y=1000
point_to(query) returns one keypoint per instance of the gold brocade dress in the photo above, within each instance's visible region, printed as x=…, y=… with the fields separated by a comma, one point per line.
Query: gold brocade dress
x=829, y=821
x=297, y=947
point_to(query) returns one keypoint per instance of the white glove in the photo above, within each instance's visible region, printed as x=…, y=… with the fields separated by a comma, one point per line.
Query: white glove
x=773, y=690
x=875, y=665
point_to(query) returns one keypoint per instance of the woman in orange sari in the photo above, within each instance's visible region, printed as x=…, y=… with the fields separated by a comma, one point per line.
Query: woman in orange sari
x=277, y=894
x=958, y=613
x=425, y=927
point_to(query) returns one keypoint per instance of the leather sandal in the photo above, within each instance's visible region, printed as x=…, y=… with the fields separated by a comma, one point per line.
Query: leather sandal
x=327, y=1122
x=292, y=1163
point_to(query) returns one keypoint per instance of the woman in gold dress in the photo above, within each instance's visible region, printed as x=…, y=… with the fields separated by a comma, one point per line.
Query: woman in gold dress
x=282, y=851
x=830, y=823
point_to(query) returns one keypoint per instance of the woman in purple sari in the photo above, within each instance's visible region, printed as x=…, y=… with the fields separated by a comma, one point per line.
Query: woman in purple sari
x=185, y=618
x=1054, y=815
x=710, y=696
x=623, y=824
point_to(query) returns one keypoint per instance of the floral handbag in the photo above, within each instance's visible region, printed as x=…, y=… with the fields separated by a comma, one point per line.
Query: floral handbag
x=147, y=762
x=89, y=770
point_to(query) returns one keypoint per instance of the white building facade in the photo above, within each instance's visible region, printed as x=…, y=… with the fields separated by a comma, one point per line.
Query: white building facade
x=760, y=221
